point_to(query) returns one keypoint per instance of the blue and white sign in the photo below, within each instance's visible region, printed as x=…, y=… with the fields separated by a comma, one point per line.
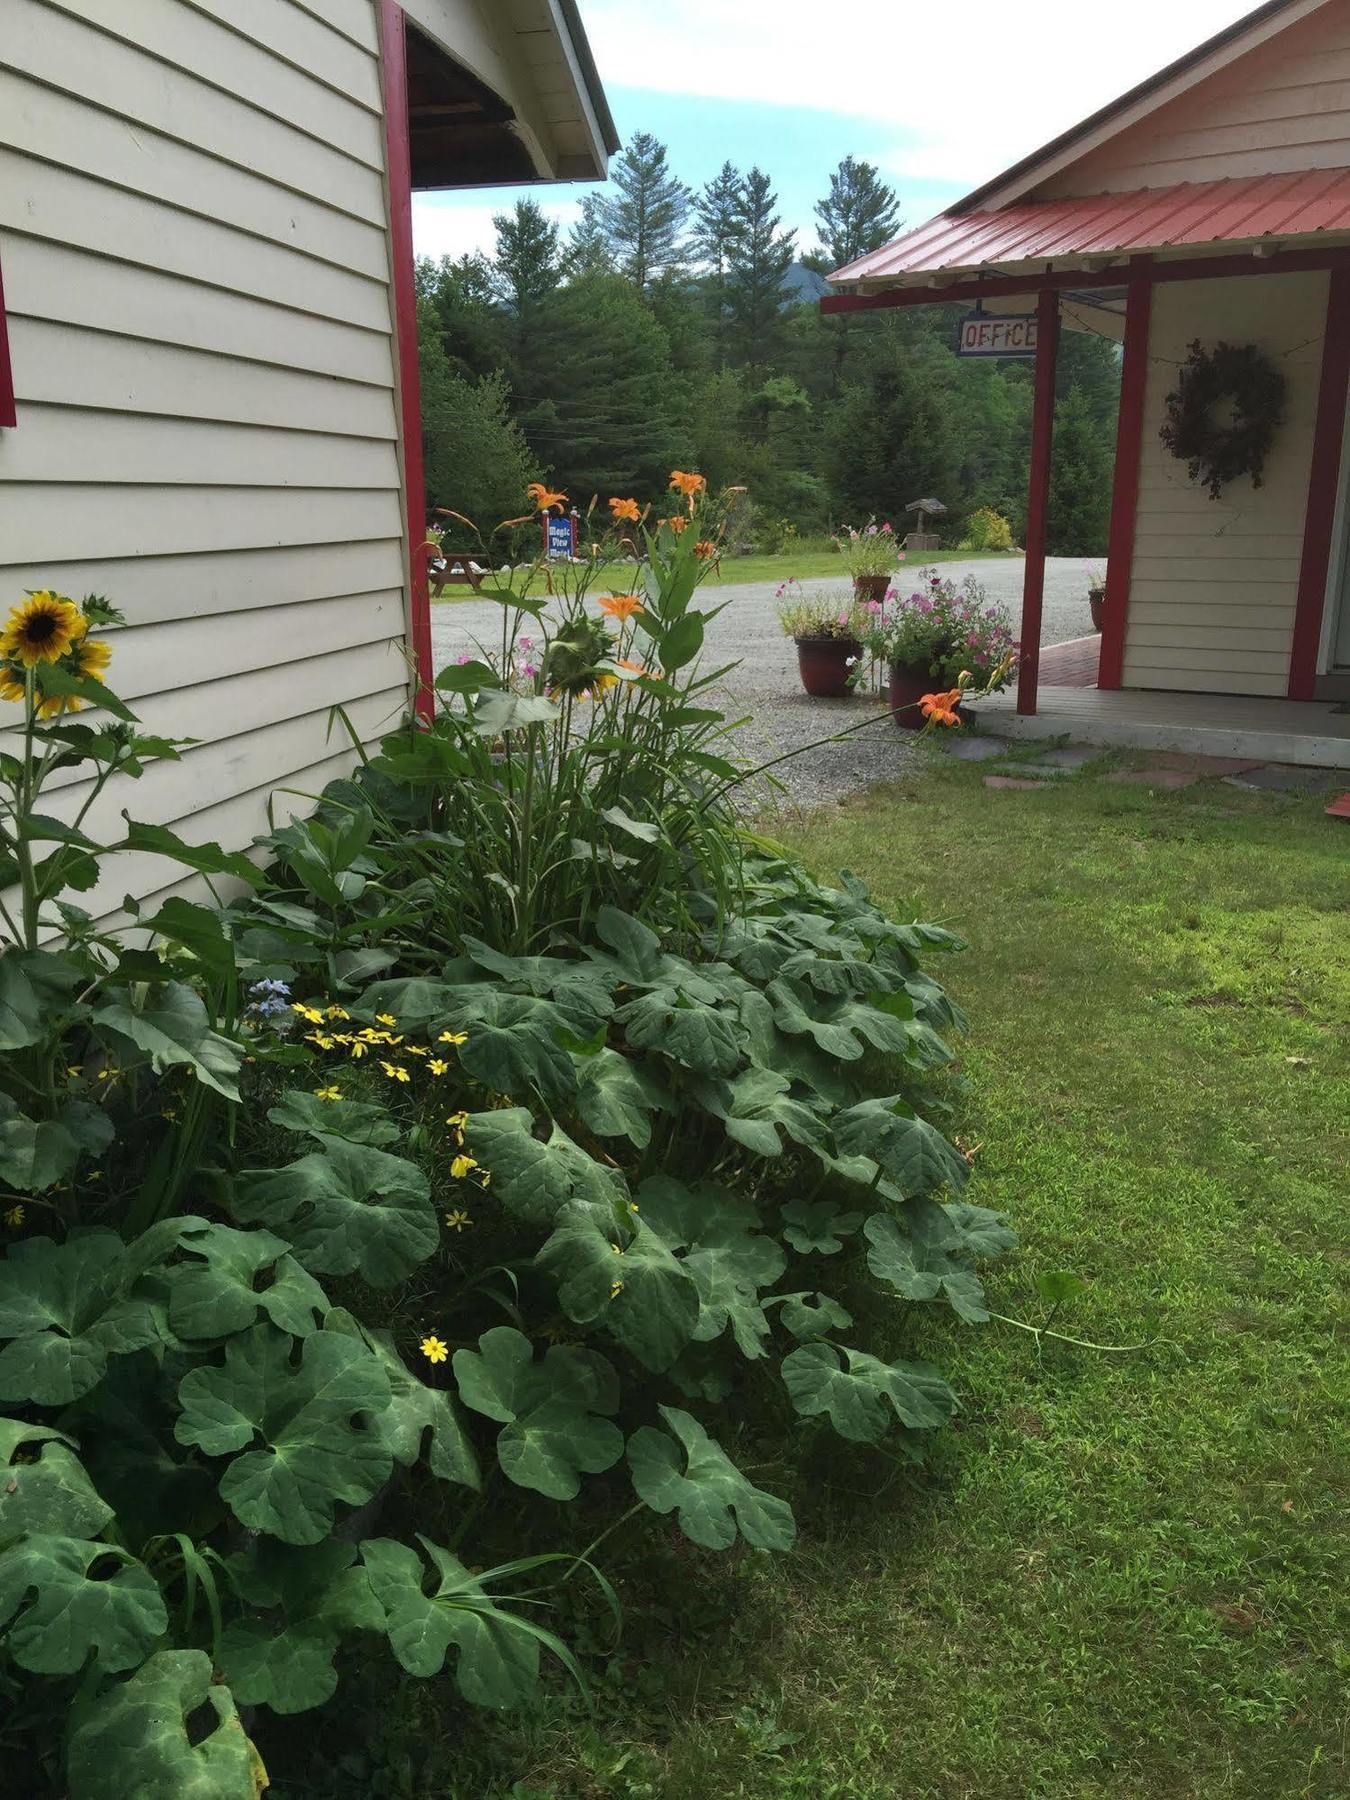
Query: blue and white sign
x=559, y=539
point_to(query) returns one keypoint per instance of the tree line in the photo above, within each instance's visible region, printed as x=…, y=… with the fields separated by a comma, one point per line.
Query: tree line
x=679, y=328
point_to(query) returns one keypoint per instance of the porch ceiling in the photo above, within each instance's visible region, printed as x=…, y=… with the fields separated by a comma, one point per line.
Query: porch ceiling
x=1188, y=217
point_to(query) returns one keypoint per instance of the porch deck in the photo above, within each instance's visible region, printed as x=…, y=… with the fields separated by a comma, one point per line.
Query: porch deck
x=1303, y=732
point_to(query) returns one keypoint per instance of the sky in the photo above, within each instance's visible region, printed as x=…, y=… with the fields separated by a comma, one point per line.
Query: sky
x=796, y=85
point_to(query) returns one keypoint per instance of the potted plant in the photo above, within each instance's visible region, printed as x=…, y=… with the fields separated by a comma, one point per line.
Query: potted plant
x=931, y=639
x=1097, y=598
x=870, y=556
x=828, y=634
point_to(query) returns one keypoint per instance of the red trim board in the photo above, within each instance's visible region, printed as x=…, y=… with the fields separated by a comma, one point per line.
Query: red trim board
x=993, y=287
x=1323, y=487
x=8, y=415
x=398, y=162
x=1125, y=491
x=1038, y=497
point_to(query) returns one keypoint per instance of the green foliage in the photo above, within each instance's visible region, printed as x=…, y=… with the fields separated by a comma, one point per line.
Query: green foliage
x=1080, y=482
x=132, y=1740
x=710, y=1497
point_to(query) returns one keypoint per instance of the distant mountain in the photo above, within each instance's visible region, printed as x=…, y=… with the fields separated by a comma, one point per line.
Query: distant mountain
x=802, y=286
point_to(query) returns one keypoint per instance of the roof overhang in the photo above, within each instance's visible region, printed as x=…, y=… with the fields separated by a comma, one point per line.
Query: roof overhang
x=504, y=93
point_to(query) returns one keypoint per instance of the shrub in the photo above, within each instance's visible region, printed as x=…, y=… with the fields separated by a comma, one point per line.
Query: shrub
x=569, y=1120
x=987, y=530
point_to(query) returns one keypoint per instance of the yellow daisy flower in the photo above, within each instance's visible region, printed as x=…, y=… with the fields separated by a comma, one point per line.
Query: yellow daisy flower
x=42, y=629
x=395, y=1072
x=338, y=1012
x=14, y=1217
x=434, y=1349
x=457, y=1220
x=460, y=1167
x=328, y=1093
x=453, y=1037
x=437, y=1067
x=358, y=1049
x=415, y=1050
x=310, y=1014
x=615, y=1289
x=386, y=1019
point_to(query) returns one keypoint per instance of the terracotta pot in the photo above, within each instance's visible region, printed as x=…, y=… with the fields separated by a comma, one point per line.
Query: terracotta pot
x=1097, y=603
x=824, y=665
x=871, y=587
x=909, y=683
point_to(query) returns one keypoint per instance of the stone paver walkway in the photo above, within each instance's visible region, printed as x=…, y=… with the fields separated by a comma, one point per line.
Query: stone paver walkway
x=1166, y=771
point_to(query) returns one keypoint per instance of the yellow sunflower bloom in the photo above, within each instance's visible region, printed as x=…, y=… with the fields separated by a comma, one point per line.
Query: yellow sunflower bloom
x=42, y=629
x=12, y=685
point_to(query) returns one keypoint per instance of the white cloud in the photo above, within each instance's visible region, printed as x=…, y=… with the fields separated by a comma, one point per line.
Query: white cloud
x=457, y=224
x=997, y=82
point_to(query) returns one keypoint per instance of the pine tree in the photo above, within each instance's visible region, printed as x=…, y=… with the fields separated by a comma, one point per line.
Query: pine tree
x=761, y=255
x=643, y=222
x=1080, y=482
x=587, y=251
x=476, y=459
x=860, y=213
x=527, y=262
x=716, y=211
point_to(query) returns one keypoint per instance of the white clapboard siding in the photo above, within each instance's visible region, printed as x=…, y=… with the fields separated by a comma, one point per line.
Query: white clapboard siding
x=62, y=53
x=1281, y=108
x=1215, y=583
x=68, y=207
x=195, y=249
x=49, y=281
x=69, y=366
x=191, y=42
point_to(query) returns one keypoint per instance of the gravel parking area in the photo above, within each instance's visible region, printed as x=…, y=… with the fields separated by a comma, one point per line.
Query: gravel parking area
x=764, y=686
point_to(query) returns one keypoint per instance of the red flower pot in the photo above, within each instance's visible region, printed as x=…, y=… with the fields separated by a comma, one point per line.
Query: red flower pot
x=871, y=587
x=824, y=665
x=909, y=683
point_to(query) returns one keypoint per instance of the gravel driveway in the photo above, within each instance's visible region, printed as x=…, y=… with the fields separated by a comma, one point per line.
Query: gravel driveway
x=766, y=687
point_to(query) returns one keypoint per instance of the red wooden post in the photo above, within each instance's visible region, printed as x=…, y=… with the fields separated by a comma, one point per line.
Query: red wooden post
x=398, y=163
x=1038, y=496
x=1125, y=492
x=8, y=415
x=1323, y=486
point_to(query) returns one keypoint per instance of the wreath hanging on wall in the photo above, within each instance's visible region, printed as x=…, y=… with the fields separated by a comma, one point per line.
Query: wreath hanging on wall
x=1223, y=416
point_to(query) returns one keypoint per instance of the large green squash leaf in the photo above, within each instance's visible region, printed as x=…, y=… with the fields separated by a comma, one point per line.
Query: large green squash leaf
x=318, y=1444
x=625, y=1277
x=417, y=1415
x=353, y=1120
x=716, y=1233
x=37, y=1153
x=550, y=1409
x=980, y=1232
x=811, y=1316
x=66, y=1308
x=913, y=1153
x=43, y=1486
x=818, y=1227
x=756, y=1106
x=515, y=1045
x=301, y=1604
x=346, y=1209
x=172, y=1026
x=617, y=1097
x=688, y=1032
x=841, y=1028
x=859, y=1392
x=54, y=1615
x=35, y=988
x=713, y=1499
x=533, y=1178
x=230, y=1277
x=132, y=1742
x=914, y=1252
x=498, y=1653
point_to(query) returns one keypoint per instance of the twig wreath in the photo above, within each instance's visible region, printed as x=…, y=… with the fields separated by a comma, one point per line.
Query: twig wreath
x=1220, y=443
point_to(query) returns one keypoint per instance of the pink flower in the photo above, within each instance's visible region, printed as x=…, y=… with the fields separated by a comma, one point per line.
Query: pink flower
x=464, y=659
x=874, y=606
x=887, y=528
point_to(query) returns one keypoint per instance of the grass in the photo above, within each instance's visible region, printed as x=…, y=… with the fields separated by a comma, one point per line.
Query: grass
x=1122, y=1577
x=809, y=563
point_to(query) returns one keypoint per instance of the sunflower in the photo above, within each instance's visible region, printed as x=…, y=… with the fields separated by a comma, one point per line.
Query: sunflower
x=42, y=629
x=11, y=684
x=89, y=658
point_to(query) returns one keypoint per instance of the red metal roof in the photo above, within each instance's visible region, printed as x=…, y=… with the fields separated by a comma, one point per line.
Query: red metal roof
x=1185, y=217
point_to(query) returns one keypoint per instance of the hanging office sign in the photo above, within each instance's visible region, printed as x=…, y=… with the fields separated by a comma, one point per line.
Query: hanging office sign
x=1009, y=335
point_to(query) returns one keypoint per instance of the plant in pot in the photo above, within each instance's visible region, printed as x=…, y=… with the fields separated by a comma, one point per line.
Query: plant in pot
x=871, y=557
x=941, y=637
x=828, y=632
x=1097, y=597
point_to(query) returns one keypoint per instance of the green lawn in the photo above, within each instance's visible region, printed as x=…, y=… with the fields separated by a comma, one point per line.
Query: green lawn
x=808, y=564
x=1122, y=1577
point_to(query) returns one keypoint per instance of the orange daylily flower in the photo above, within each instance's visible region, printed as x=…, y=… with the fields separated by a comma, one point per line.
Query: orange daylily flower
x=676, y=524
x=619, y=606
x=688, y=485
x=941, y=708
x=705, y=549
x=633, y=668
x=545, y=499
x=625, y=509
